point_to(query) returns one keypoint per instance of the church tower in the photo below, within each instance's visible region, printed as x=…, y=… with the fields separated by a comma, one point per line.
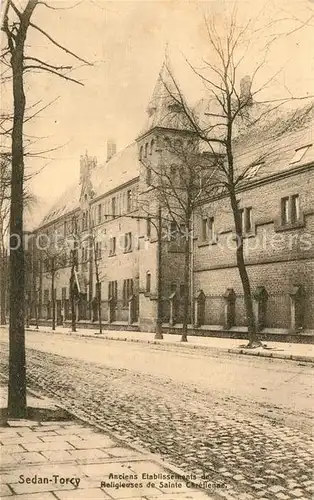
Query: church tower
x=166, y=123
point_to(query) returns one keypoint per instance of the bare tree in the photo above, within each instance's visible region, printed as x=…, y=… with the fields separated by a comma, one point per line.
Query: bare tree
x=231, y=108
x=95, y=249
x=16, y=24
x=54, y=259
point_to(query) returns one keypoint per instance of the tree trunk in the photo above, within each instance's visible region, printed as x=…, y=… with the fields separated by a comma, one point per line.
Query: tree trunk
x=53, y=301
x=36, y=309
x=3, y=285
x=72, y=297
x=186, y=279
x=252, y=333
x=99, y=306
x=17, y=366
x=158, y=333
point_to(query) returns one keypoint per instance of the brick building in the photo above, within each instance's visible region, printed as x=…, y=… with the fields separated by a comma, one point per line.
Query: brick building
x=113, y=214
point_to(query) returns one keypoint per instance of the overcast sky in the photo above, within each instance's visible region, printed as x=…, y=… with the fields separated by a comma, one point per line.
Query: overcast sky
x=127, y=40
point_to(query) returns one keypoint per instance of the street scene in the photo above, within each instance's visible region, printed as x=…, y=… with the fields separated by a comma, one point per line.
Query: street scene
x=252, y=439
x=156, y=249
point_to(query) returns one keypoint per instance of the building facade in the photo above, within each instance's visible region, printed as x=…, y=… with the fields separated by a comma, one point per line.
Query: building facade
x=113, y=217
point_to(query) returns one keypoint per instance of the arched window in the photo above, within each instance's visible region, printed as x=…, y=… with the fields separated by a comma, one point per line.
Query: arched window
x=141, y=152
x=152, y=144
x=146, y=150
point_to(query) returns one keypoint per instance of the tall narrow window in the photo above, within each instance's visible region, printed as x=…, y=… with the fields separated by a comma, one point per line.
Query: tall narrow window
x=285, y=210
x=246, y=220
x=211, y=228
x=146, y=150
x=127, y=291
x=128, y=242
x=204, y=229
x=129, y=200
x=113, y=290
x=113, y=207
x=148, y=282
x=148, y=227
x=99, y=213
x=295, y=208
x=148, y=175
x=112, y=246
x=152, y=144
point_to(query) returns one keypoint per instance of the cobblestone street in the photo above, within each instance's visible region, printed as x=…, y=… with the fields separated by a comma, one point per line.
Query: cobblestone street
x=256, y=456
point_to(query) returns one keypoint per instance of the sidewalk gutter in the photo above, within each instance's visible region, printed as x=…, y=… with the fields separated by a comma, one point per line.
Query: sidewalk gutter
x=232, y=350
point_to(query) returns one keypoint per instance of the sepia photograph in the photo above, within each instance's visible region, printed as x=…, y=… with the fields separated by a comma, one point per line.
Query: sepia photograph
x=156, y=249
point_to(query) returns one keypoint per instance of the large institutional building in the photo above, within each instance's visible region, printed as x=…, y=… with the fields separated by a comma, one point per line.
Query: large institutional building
x=120, y=252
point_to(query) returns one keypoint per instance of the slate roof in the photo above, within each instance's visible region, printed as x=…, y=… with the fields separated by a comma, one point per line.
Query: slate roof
x=272, y=139
x=120, y=169
x=163, y=109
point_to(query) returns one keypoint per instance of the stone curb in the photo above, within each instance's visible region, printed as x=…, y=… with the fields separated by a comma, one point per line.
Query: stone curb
x=241, y=351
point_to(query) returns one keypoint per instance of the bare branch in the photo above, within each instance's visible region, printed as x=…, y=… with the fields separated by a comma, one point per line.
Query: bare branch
x=62, y=47
x=49, y=70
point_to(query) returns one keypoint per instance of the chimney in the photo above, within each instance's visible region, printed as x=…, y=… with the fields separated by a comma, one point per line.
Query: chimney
x=111, y=149
x=245, y=90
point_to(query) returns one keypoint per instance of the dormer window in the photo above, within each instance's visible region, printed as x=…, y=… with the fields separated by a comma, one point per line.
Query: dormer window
x=146, y=150
x=152, y=144
x=299, y=153
x=141, y=152
x=253, y=170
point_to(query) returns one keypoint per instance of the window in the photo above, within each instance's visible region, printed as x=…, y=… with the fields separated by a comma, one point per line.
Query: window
x=98, y=250
x=127, y=291
x=146, y=150
x=65, y=228
x=246, y=220
x=299, y=153
x=128, y=242
x=204, y=229
x=148, y=282
x=152, y=144
x=252, y=171
x=46, y=296
x=99, y=213
x=290, y=209
x=295, y=208
x=182, y=290
x=113, y=290
x=129, y=200
x=84, y=220
x=285, y=210
x=148, y=175
x=113, y=207
x=148, y=227
x=74, y=224
x=112, y=246
x=141, y=152
x=208, y=229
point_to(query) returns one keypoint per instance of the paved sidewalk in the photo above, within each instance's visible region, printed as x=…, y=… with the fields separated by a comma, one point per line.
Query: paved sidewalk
x=70, y=460
x=281, y=350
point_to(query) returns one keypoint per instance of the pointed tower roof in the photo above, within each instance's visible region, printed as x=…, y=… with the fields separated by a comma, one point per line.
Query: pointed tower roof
x=164, y=109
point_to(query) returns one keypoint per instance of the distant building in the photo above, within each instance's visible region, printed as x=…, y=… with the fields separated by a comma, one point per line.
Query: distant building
x=106, y=207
